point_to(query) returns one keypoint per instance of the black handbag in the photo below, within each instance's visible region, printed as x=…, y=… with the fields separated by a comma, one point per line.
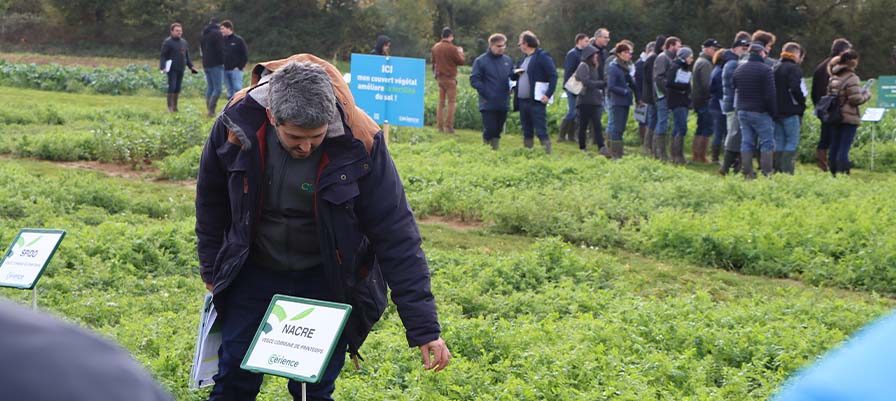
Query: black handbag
x=829, y=109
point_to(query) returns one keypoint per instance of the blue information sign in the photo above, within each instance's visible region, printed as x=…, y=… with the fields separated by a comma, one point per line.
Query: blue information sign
x=389, y=89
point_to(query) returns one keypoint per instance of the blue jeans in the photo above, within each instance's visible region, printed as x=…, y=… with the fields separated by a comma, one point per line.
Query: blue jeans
x=616, y=127
x=662, y=116
x=533, y=119
x=213, y=78
x=570, y=106
x=241, y=308
x=842, y=136
x=756, y=127
x=704, y=121
x=493, y=123
x=680, y=115
x=787, y=134
x=824, y=141
x=733, y=137
x=233, y=79
x=719, y=127
x=651, y=116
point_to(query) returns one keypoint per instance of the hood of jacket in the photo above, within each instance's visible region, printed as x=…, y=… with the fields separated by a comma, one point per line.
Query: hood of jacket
x=587, y=52
x=785, y=56
x=729, y=55
x=836, y=68
x=380, y=42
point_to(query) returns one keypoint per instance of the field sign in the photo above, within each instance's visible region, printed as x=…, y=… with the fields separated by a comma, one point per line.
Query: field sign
x=886, y=92
x=296, y=338
x=28, y=256
x=389, y=89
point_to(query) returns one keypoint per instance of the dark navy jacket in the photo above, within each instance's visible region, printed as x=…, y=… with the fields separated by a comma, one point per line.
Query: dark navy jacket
x=541, y=69
x=490, y=78
x=678, y=94
x=788, y=84
x=715, y=89
x=363, y=221
x=620, y=85
x=754, y=85
x=728, y=66
x=571, y=62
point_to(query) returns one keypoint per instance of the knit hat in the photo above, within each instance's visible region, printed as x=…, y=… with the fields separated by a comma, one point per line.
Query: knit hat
x=684, y=52
x=757, y=47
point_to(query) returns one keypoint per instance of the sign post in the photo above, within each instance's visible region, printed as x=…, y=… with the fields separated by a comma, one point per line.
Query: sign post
x=389, y=89
x=27, y=258
x=296, y=338
x=873, y=115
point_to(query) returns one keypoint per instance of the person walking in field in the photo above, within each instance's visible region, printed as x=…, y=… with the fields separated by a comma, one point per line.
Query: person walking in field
x=649, y=95
x=819, y=88
x=661, y=68
x=847, y=86
x=236, y=55
x=568, y=126
x=590, y=100
x=719, y=127
x=622, y=90
x=489, y=77
x=536, y=78
x=756, y=103
x=212, y=46
x=446, y=57
x=174, y=59
x=791, y=106
x=733, y=137
x=678, y=95
x=700, y=87
x=639, y=87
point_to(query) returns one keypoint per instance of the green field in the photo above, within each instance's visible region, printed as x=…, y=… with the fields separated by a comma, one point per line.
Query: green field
x=562, y=277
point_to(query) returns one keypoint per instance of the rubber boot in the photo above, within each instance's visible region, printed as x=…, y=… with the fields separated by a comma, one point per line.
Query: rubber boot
x=822, y=156
x=528, y=143
x=547, y=145
x=716, y=152
x=168, y=99
x=616, y=149
x=789, y=162
x=703, y=144
x=572, y=134
x=746, y=166
x=695, y=149
x=494, y=142
x=766, y=163
x=603, y=151
x=728, y=162
x=212, y=105
x=776, y=164
x=642, y=130
x=678, y=150
x=564, y=127
x=647, y=145
x=174, y=98
x=832, y=167
x=659, y=147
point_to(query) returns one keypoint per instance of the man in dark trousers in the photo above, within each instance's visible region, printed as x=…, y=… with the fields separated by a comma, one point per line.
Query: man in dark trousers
x=755, y=100
x=534, y=71
x=489, y=77
x=175, y=57
x=820, y=88
x=236, y=55
x=297, y=195
x=212, y=46
x=568, y=127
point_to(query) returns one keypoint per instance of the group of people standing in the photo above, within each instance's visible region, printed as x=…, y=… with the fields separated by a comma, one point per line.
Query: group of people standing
x=224, y=56
x=747, y=104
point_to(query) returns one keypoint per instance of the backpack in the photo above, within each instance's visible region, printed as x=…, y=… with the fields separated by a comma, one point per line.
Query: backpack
x=829, y=108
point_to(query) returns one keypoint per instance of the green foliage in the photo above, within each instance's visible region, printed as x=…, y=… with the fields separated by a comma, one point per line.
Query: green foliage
x=181, y=167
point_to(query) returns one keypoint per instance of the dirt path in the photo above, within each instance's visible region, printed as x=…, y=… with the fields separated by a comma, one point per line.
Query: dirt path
x=28, y=58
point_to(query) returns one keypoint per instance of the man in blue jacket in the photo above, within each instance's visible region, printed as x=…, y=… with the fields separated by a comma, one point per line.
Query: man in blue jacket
x=568, y=127
x=297, y=195
x=489, y=77
x=755, y=100
x=536, y=78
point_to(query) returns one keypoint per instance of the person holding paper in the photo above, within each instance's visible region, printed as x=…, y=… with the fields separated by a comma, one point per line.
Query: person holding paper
x=536, y=78
x=174, y=57
x=678, y=94
x=847, y=86
x=661, y=68
x=590, y=101
x=297, y=195
x=756, y=102
x=791, y=106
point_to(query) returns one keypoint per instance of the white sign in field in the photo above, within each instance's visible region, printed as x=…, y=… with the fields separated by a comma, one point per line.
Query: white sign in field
x=28, y=256
x=296, y=338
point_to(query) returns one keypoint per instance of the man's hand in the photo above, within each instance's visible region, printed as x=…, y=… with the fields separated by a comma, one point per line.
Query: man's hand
x=193, y=70
x=210, y=286
x=440, y=355
x=545, y=99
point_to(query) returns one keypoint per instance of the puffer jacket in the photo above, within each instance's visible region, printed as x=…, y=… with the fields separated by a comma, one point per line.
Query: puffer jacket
x=593, y=86
x=845, y=83
x=678, y=93
x=729, y=64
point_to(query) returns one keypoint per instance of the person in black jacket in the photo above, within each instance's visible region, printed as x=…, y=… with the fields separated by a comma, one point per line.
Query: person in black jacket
x=382, y=47
x=678, y=93
x=536, y=78
x=176, y=50
x=236, y=55
x=489, y=77
x=570, y=63
x=648, y=94
x=212, y=46
x=791, y=106
x=639, y=86
x=819, y=89
x=756, y=102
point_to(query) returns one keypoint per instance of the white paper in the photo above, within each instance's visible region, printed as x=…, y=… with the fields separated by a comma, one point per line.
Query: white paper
x=873, y=114
x=208, y=340
x=683, y=77
x=541, y=89
x=804, y=88
x=168, y=65
x=512, y=83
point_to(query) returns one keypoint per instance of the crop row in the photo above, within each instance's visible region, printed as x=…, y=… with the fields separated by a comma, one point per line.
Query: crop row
x=535, y=322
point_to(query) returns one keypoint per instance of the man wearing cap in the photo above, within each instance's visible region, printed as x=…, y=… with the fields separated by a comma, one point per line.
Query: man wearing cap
x=297, y=195
x=446, y=57
x=732, y=139
x=661, y=68
x=756, y=103
x=700, y=93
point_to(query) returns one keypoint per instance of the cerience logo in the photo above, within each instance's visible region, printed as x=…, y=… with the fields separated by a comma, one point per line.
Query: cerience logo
x=280, y=314
x=278, y=360
x=307, y=187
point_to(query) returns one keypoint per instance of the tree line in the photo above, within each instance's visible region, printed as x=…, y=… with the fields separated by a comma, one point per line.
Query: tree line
x=336, y=28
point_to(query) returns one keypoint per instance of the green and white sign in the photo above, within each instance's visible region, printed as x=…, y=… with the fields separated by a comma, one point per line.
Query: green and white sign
x=886, y=92
x=296, y=338
x=28, y=256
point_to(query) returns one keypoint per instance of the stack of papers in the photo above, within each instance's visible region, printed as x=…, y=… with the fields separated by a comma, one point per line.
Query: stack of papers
x=205, y=359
